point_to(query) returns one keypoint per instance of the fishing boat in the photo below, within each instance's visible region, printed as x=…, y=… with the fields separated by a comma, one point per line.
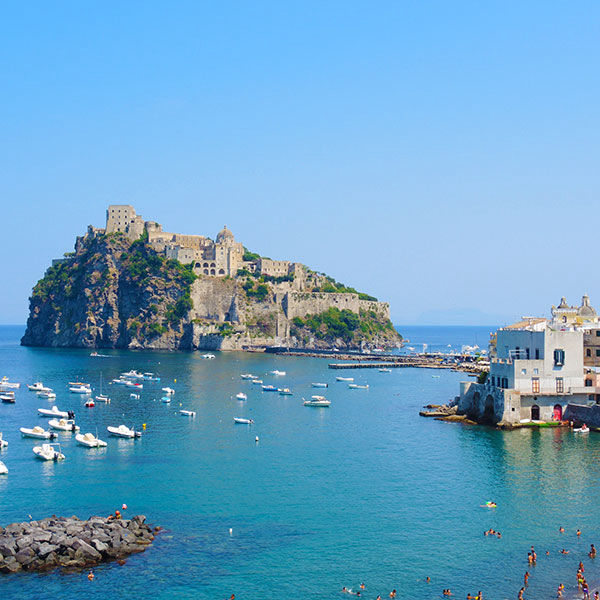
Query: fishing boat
x=385, y=370
x=89, y=440
x=318, y=401
x=63, y=425
x=257, y=381
x=123, y=431
x=80, y=389
x=242, y=421
x=285, y=392
x=8, y=397
x=48, y=452
x=355, y=386
x=5, y=384
x=37, y=432
x=90, y=403
x=3, y=442
x=166, y=399
x=241, y=396
x=3, y=468
x=168, y=390
x=248, y=376
x=269, y=388
x=320, y=385
x=277, y=373
x=54, y=412
x=187, y=413
x=344, y=378
x=48, y=395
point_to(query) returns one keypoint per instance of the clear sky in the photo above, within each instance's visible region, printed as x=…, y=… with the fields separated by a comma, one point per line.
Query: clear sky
x=443, y=156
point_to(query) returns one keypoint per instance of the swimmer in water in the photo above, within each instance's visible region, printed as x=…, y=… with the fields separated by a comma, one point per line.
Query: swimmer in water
x=526, y=578
x=592, y=552
x=428, y=579
x=563, y=551
x=561, y=529
x=393, y=593
x=91, y=576
x=520, y=594
x=362, y=586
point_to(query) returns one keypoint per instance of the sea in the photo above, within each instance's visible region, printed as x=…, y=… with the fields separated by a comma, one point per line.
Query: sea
x=365, y=491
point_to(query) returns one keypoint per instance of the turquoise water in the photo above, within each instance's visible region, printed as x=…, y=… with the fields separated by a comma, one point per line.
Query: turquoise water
x=363, y=491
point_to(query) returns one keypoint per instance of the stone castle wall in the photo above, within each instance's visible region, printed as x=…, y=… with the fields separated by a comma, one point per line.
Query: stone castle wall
x=300, y=304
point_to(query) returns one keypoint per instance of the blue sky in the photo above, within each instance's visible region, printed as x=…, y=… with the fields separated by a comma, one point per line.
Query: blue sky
x=442, y=156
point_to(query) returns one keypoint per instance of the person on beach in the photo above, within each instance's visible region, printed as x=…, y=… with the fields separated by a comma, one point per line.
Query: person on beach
x=586, y=591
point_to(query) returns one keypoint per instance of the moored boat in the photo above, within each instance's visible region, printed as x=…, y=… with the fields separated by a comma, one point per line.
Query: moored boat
x=123, y=431
x=320, y=385
x=269, y=388
x=248, y=376
x=80, y=389
x=3, y=468
x=168, y=390
x=37, y=432
x=90, y=440
x=166, y=399
x=48, y=452
x=355, y=386
x=103, y=398
x=277, y=373
x=318, y=401
x=63, y=425
x=187, y=413
x=242, y=421
x=241, y=396
x=90, y=403
x=385, y=370
x=257, y=381
x=285, y=392
x=3, y=442
x=8, y=397
x=55, y=412
x=344, y=378
x=38, y=386
x=48, y=395
x=5, y=384
x=208, y=356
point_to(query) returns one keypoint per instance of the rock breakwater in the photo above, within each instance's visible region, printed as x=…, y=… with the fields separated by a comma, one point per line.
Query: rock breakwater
x=70, y=543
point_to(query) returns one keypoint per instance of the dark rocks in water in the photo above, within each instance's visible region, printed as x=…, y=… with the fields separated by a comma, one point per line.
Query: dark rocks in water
x=71, y=543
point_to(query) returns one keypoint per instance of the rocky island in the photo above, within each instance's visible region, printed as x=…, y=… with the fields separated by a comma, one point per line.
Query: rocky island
x=133, y=285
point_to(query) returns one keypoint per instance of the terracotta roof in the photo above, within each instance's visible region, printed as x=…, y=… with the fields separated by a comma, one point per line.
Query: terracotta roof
x=526, y=323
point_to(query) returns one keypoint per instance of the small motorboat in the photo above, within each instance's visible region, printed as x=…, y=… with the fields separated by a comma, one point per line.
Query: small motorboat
x=583, y=429
x=133, y=384
x=320, y=385
x=208, y=356
x=136, y=396
x=78, y=384
x=318, y=401
x=63, y=425
x=5, y=384
x=187, y=413
x=89, y=440
x=257, y=381
x=285, y=392
x=124, y=432
x=385, y=370
x=248, y=376
x=90, y=403
x=241, y=421
x=168, y=390
x=277, y=373
x=48, y=452
x=54, y=412
x=48, y=395
x=8, y=397
x=241, y=396
x=3, y=442
x=103, y=398
x=166, y=399
x=344, y=378
x=269, y=388
x=119, y=381
x=355, y=386
x=3, y=468
x=38, y=386
x=80, y=389
x=133, y=374
x=37, y=432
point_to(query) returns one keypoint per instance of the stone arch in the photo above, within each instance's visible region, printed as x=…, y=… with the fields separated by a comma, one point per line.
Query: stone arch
x=535, y=413
x=488, y=415
x=557, y=413
x=206, y=271
x=213, y=265
x=221, y=271
x=197, y=265
x=205, y=265
x=212, y=272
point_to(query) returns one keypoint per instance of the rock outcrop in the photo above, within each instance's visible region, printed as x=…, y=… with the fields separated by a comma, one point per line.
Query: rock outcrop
x=60, y=542
x=112, y=293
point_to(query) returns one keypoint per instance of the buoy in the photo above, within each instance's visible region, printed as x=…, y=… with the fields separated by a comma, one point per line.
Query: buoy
x=124, y=507
x=144, y=426
x=174, y=380
x=231, y=531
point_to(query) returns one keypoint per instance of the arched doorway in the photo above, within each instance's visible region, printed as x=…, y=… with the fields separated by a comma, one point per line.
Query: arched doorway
x=557, y=415
x=488, y=410
x=535, y=413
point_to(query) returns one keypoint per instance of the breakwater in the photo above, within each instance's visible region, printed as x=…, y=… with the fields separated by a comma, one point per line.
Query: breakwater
x=470, y=367
x=70, y=543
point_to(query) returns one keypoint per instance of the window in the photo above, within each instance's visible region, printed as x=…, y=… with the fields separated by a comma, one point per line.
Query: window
x=505, y=382
x=588, y=352
x=597, y=332
x=535, y=385
x=559, y=357
x=537, y=354
x=536, y=371
x=523, y=371
x=493, y=380
x=527, y=353
x=560, y=385
x=588, y=383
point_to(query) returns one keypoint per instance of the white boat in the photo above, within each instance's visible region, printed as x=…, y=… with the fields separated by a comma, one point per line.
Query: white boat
x=385, y=370
x=7, y=397
x=133, y=384
x=166, y=399
x=242, y=421
x=285, y=392
x=80, y=389
x=168, y=390
x=208, y=356
x=187, y=413
x=120, y=381
x=53, y=412
x=583, y=429
x=3, y=468
x=3, y=442
x=320, y=385
x=5, y=384
x=277, y=373
x=37, y=432
x=136, y=396
x=269, y=388
x=124, y=432
x=63, y=424
x=257, y=381
x=48, y=452
x=344, y=378
x=79, y=384
x=133, y=374
x=248, y=376
x=241, y=396
x=103, y=398
x=355, y=386
x=38, y=386
x=150, y=377
x=48, y=395
x=318, y=401
x=90, y=403
x=89, y=440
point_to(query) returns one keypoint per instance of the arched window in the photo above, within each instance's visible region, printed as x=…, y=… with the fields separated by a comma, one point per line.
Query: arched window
x=212, y=272
x=221, y=271
x=206, y=271
x=213, y=265
x=205, y=265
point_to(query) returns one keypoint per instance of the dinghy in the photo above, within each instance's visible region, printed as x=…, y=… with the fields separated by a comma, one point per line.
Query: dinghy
x=90, y=403
x=320, y=385
x=582, y=429
x=102, y=398
x=241, y=396
x=187, y=413
x=318, y=401
x=89, y=440
x=124, y=432
x=63, y=425
x=48, y=452
x=54, y=412
x=37, y=432
x=3, y=468
x=241, y=421
x=48, y=395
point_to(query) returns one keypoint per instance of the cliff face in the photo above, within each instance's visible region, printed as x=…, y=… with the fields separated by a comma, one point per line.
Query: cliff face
x=115, y=294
